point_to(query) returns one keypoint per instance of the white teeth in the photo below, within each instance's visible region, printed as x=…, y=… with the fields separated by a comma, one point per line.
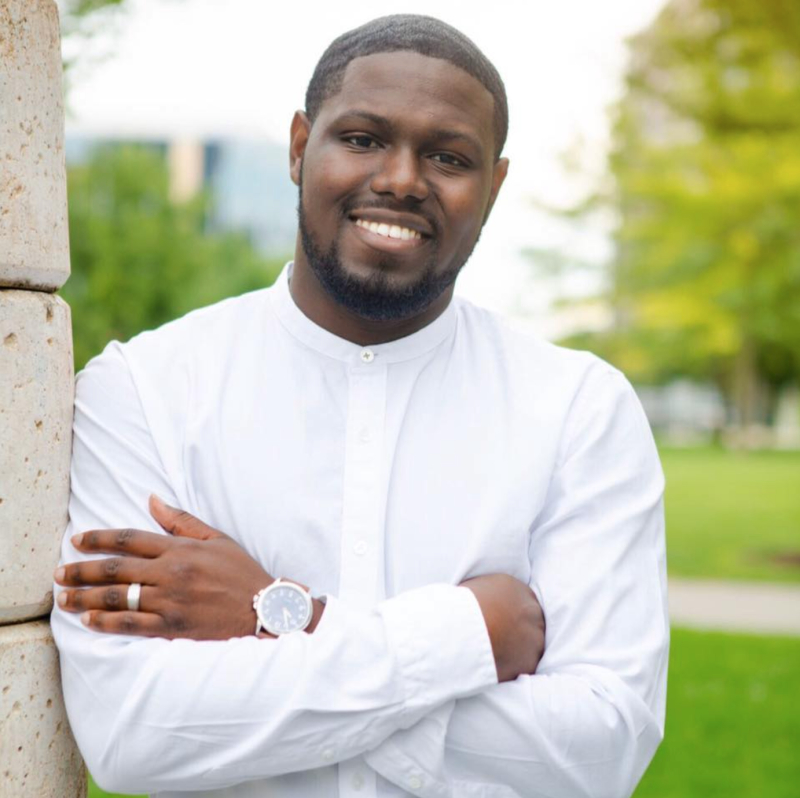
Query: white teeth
x=389, y=231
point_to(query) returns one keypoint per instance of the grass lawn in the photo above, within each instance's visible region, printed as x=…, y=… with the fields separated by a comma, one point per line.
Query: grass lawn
x=96, y=792
x=732, y=720
x=729, y=514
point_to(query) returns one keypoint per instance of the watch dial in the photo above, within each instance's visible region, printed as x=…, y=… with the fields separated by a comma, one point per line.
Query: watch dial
x=284, y=609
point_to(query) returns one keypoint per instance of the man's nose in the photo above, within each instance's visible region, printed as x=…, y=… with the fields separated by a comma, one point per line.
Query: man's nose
x=401, y=175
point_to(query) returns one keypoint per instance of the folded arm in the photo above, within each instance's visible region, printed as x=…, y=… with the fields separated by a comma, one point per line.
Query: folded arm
x=590, y=719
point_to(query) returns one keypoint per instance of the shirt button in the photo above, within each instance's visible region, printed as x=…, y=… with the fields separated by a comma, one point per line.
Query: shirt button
x=415, y=782
x=327, y=754
x=367, y=356
x=360, y=548
x=364, y=436
x=358, y=781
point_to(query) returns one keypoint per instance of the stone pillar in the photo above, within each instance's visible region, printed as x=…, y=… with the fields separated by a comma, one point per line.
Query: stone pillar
x=38, y=757
x=34, y=249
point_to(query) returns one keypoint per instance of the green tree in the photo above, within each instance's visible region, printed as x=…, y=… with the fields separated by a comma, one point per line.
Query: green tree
x=81, y=21
x=704, y=180
x=138, y=259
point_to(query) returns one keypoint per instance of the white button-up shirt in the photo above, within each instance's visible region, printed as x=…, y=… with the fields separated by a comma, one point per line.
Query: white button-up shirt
x=383, y=477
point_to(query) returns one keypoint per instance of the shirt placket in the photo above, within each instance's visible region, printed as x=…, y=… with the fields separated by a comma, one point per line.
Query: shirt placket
x=361, y=579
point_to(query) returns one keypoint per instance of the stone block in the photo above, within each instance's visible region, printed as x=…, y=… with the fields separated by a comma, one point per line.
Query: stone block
x=38, y=755
x=34, y=247
x=36, y=398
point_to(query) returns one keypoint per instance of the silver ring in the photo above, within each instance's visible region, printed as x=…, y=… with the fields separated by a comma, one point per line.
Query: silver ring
x=134, y=594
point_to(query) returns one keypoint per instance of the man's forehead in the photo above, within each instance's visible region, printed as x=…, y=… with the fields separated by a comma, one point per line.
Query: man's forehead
x=409, y=66
x=414, y=81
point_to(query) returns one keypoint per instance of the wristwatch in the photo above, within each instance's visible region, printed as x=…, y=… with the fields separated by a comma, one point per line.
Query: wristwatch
x=283, y=607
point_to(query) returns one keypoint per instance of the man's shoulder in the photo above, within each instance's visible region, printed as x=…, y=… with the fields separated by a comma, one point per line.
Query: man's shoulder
x=549, y=385
x=206, y=331
x=160, y=362
x=509, y=342
x=211, y=327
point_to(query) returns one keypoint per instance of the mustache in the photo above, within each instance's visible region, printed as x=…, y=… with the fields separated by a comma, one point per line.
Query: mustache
x=410, y=207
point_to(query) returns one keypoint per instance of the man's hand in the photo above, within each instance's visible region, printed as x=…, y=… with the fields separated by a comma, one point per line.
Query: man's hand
x=197, y=582
x=515, y=622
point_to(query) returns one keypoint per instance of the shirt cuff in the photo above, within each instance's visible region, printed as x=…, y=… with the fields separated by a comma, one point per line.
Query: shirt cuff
x=442, y=645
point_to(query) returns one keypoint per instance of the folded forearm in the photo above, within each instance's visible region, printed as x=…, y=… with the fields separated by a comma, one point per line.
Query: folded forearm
x=568, y=735
x=153, y=714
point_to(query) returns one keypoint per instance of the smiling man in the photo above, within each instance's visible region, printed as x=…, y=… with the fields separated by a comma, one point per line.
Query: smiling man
x=383, y=492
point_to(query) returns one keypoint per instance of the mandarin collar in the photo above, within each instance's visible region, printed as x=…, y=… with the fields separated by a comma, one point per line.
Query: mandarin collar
x=318, y=338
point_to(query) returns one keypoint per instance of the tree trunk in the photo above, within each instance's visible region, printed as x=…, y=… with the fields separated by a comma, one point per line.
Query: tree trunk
x=751, y=395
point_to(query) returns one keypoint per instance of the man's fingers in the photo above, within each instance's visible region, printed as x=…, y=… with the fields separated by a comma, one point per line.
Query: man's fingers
x=141, y=624
x=133, y=542
x=105, y=609
x=108, y=571
x=179, y=522
x=113, y=598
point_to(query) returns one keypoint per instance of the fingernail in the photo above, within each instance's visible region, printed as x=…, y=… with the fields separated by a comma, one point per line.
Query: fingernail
x=77, y=539
x=62, y=599
x=59, y=575
x=85, y=618
x=162, y=505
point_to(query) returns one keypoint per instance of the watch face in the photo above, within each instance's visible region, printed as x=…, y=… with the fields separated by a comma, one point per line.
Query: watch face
x=284, y=608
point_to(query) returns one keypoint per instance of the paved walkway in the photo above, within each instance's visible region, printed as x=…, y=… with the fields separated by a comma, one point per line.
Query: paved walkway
x=753, y=607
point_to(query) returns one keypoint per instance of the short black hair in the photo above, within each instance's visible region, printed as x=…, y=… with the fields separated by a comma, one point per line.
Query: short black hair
x=420, y=34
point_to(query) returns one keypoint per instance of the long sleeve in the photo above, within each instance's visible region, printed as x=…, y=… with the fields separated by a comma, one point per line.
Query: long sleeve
x=590, y=720
x=153, y=714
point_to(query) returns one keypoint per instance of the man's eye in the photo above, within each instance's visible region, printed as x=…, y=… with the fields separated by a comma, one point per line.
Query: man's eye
x=447, y=159
x=361, y=141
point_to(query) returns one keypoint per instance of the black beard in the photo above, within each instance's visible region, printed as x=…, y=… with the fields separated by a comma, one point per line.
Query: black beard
x=375, y=297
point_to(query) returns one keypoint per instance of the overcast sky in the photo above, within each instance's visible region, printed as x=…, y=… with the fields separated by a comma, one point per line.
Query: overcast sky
x=199, y=68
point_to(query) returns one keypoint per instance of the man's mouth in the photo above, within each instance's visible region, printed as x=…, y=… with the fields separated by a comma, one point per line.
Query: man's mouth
x=388, y=230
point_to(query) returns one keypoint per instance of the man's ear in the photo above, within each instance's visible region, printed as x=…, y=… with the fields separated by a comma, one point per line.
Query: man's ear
x=499, y=173
x=300, y=131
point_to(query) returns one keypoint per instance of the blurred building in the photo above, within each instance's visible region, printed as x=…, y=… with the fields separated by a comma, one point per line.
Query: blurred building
x=248, y=182
x=684, y=412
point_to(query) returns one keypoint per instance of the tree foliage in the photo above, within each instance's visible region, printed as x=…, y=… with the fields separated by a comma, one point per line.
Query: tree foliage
x=139, y=260
x=705, y=184
x=77, y=17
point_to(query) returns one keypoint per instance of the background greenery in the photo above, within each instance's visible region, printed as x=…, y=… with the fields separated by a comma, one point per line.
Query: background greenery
x=703, y=185
x=732, y=722
x=733, y=514
x=138, y=259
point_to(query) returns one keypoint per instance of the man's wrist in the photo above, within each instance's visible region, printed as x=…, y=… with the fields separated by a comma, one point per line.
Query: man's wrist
x=318, y=608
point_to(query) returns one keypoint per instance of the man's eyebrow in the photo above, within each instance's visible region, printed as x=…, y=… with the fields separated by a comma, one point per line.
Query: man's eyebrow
x=376, y=119
x=456, y=135
x=439, y=134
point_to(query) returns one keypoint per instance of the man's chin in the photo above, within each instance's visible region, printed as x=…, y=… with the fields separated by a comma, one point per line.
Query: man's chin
x=374, y=293
x=385, y=275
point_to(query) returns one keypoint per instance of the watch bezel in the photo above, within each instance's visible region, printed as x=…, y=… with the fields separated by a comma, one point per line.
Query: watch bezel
x=258, y=600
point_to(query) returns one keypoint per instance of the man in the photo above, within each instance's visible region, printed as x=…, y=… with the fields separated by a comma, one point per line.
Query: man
x=424, y=479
